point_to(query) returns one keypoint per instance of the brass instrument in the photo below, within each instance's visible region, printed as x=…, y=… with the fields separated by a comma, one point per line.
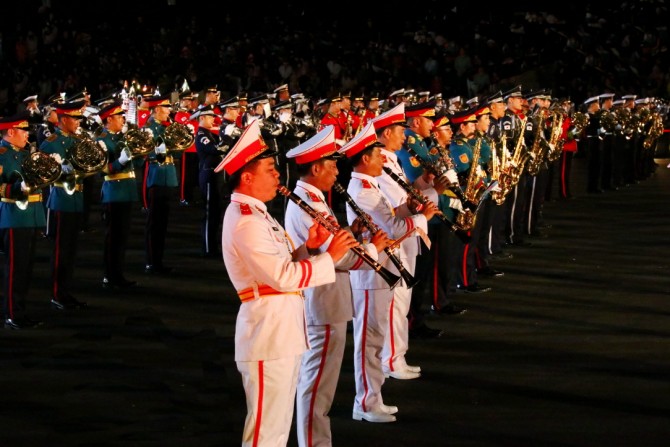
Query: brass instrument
x=410, y=281
x=555, y=142
x=512, y=170
x=137, y=142
x=419, y=197
x=455, y=188
x=539, y=147
x=87, y=158
x=655, y=130
x=39, y=170
x=348, y=129
x=497, y=173
x=390, y=278
x=608, y=120
x=624, y=127
x=579, y=122
x=178, y=137
x=473, y=190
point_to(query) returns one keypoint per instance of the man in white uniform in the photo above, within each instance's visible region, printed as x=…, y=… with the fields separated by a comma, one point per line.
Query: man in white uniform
x=269, y=272
x=328, y=307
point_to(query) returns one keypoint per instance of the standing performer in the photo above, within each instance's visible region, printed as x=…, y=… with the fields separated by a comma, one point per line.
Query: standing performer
x=328, y=307
x=269, y=274
x=21, y=214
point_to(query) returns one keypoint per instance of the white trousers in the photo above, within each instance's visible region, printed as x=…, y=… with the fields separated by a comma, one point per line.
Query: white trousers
x=317, y=383
x=270, y=387
x=371, y=311
x=396, y=341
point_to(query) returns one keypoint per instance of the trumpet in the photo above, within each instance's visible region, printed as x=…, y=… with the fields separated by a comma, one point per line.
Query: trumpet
x=410, y=280
x=390, y=278
x=416, y=195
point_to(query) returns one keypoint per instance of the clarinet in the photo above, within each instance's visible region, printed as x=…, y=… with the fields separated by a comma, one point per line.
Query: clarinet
x=455, y=188
x=390, y=278
x=416, y=194
x=410, y=281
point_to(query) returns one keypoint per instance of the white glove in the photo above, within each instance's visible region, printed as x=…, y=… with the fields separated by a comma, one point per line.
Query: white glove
x=478, y=172
x=456, y=204
x=229, y=130
x=67, y=168
x=284, y=117
x=496, y=188
x=57, y=157
x=552, y=147
x=24, y=187
x=161, y=149
x=451, y=175
x=601, y=131
x=191, y=128
x=124, y=157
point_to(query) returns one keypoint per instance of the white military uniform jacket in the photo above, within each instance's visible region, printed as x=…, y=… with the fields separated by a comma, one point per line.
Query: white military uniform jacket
x=365, y=191
x=329, y=303
x=411, y=247
x=258, y=256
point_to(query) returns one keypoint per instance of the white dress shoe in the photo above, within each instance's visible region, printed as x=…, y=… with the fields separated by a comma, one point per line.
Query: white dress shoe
x=389, y=409
x=414, y=369
x=373, y=416
x=404, y=374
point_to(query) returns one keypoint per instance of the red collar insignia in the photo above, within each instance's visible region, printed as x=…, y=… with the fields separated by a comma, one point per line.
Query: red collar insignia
x=366, y=184
x=313, y=197
x=245, y=209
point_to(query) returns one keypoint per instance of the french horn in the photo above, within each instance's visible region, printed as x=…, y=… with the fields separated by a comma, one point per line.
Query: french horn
x=39, y=170
x=87, y=157
x=137, y=142
x=178, y=137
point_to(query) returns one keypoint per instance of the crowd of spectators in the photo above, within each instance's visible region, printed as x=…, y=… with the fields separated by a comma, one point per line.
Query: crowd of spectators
x=576, y=51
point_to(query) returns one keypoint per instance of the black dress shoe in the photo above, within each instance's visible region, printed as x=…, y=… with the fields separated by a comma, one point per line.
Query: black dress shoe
x=424, y=332
x=489, y=271
x=473, y=288
x=14, y=324
x=449, y=309
x=31, y=323
x=118, y=284
x=538, y=234
x=68, y=303
x=519, y=243
x=502, y=255
x=157, y=269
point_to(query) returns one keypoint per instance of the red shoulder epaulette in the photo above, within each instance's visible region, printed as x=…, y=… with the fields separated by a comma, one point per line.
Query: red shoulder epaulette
x=366, y=184
x=313, y=197
x=245, y=209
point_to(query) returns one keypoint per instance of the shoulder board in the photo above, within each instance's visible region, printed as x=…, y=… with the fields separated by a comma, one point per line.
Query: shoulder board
x=103, y=134
x=245, y=209
x=51, y=138
x=461, y=140
x=366, y=184
x=313, y=197
x=411, y=140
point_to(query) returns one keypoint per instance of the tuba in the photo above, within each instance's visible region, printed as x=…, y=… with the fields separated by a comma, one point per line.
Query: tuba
x=87, y=158
x=178, y=137
x=39, y=170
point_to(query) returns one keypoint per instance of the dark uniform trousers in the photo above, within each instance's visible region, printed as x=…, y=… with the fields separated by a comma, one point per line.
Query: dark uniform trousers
x=64, y=228
x=188, y=175
x=467, y=260
x=594, y=164
x=486, y=213
x=618, y=160
x=565, y=170
x=515, y=215
x=436, y=273
x=158, y=211
x=19, y=248
x=213, y=191
x=496, y=233
x=607, y=147
x=117, y=218
x=536, y=186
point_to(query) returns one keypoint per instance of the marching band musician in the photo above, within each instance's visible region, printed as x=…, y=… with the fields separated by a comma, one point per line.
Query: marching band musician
x=213, y=97
x=484, y=221
x=420, y=125
x=332, y=117
x=209, y=157
x=160, y=183
x=496, y=232
x=65, y=209
x=118, y=195
x=188, y=164
x=511, y=125
x=462, y=149
x=569, y=148
x=229, y=134
x=373, y=297
x=269, y=273
x=593, y=134
x=18, y=227
x=328, y=307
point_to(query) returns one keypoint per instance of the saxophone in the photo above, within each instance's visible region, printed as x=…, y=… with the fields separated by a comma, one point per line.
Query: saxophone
x=466, y=219
x=512, y=172
x=500, y=171
x=555, y=143
x=539, y=147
